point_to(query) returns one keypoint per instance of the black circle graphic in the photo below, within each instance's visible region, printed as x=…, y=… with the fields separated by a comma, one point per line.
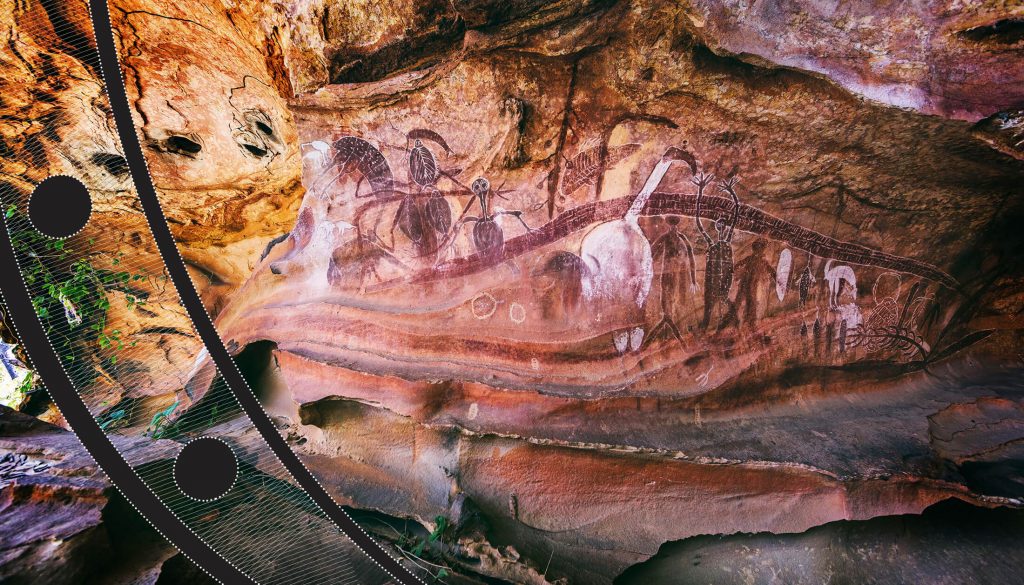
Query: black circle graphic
x=205, y=469
x=59, y=206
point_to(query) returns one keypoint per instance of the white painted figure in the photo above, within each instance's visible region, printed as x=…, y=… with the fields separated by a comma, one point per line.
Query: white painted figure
x=835, y=275
x=620, y=266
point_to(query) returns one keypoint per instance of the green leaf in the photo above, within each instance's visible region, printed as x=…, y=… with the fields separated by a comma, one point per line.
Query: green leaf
x=26, y=384
x=442, y=525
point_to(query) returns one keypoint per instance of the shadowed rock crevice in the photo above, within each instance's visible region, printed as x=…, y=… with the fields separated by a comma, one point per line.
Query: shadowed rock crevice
x=1006, y=32
x=355, y=66
x=949, y=542
x=598, y=349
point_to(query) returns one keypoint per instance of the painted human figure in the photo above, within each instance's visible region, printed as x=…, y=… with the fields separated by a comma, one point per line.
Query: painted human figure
x=804, y=283
x=755, y=275
x=673, y=254
x=718, y=270
x=847, y=316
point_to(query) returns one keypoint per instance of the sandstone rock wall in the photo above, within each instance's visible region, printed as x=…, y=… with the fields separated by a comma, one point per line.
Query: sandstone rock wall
x=550, y=359
x=558, y=376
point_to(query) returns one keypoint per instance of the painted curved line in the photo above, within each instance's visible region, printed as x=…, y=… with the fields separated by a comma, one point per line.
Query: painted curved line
x=167, y=247
x=750, y=220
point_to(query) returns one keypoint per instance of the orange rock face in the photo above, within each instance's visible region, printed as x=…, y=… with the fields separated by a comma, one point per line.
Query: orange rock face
x=585, y=277
x=57, y=122
x=515, y=288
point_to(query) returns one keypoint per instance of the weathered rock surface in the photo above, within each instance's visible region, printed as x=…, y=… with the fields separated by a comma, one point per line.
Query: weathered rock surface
x=221, y=144
x=60, y=519
x=589, y=412
x=985, y=438
x=948, y=543
x=953, y=59
x=572, y=376
x=57, y=121
x=226, y=168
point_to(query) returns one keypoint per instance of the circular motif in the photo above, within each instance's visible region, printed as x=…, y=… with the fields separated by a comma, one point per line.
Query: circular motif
x=205, y=469
x=517, y=313
x=483, y=305
x=59, y=206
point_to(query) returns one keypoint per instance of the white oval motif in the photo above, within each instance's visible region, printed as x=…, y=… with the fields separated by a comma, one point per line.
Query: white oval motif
x=517, y=313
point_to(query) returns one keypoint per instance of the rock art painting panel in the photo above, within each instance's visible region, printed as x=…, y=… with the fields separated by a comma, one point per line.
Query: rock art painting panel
x=566, y=292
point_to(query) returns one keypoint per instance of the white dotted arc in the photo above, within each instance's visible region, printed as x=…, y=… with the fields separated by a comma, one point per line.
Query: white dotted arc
x=174, y=473
x=79, y=230
x=117, y=137
x=118, y=488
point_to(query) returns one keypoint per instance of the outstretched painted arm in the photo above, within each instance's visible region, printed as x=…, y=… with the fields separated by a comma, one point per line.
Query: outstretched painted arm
x=690, y=262
x=735, y=211
x=696, y=215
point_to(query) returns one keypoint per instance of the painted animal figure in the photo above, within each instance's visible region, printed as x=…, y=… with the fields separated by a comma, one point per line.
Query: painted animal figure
x=422, y=223
x=835, y=277
x=422, y=165
x=804, y=283
x=617, y=255
x=355, y=155
x=488, y=237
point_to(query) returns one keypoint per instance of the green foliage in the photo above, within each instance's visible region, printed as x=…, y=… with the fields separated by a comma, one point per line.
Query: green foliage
x=26, y=383
x=426, y=553
x=439, y=530
x=160, y=425
x=112, y=419
x=71, y=294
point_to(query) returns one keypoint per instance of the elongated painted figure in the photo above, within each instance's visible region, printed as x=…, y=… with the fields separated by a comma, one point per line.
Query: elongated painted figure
x=620, y=266
x=718, y=270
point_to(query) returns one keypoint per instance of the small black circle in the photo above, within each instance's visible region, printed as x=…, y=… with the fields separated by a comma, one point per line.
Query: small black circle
x=59, y=206
x=205, y=469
